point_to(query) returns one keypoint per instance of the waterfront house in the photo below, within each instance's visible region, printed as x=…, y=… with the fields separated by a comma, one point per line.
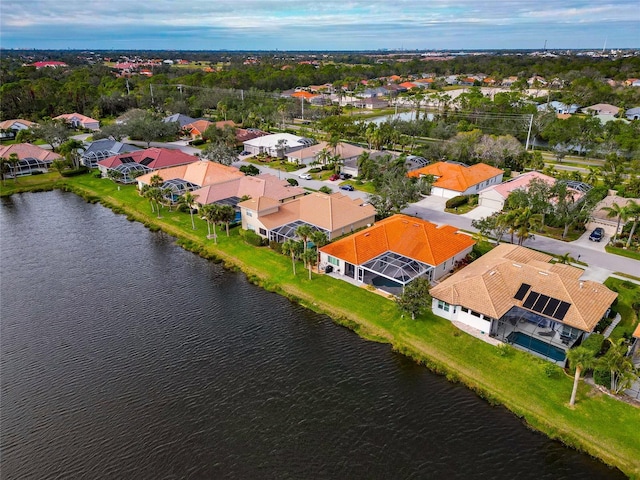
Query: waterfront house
x=77, y=120
x=515, y=295
x=453, y=178
x=334, y=214
x=31, y=158
x=191, y=176
x=395, y=251
x=127, y=165
x=104, y=148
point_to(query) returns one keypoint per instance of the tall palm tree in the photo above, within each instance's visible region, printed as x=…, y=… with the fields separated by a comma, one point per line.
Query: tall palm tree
x=633, y=211
x=14, y=161
x=188, y=199
x=4, y=168
x=581, y=359
x=304, y=232
x=213, y=215
x=616, y=210
x=292, y=248
x=227, y=215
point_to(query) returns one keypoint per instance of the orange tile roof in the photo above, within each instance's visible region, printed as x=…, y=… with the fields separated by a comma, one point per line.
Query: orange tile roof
x=305, y=95
x=26, y=150
x=412, y=237
x=200, y=172
x=489, y=284
x=459, y=178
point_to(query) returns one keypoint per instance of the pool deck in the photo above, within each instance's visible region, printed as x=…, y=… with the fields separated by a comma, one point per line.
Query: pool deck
x=474, y=332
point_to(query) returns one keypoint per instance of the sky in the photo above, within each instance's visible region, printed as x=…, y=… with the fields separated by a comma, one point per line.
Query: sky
x=319, y=24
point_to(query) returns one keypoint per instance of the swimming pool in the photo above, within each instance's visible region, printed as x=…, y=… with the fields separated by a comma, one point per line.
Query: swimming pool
x=538, y=346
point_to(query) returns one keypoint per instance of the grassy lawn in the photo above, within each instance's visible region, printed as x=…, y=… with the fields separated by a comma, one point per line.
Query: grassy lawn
x=556, y=232
x=600, y=425
x=466, y=208
x=623, y=252
x=362, y=186
x=627, y=306
x=275, y=164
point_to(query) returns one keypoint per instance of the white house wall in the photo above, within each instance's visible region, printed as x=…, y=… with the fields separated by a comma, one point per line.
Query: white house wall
x=455, y=312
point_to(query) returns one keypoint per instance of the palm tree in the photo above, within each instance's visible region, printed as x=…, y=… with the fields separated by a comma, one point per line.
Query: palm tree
x=304, y=232
x=618, y=364
x=526, y=222
x=70, y=150
x=310, y=258
x=593, y=175
x=4, y=169
x=616, y=210
x=633, y=211
x=227, y=215
x=581, y=359
x=213, y=215
x=565, y=259
x=188, y=199
x=14, y=161
x=292, y=248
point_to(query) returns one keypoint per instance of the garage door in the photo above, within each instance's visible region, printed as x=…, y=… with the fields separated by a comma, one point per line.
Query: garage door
x=490, y=203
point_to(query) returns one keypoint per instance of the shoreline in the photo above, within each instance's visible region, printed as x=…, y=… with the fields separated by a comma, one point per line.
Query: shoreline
x=379, y=321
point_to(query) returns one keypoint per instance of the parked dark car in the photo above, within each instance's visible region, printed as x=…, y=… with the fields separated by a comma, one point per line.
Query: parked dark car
x=597, y=235
x=346, y=187
x=345, y=176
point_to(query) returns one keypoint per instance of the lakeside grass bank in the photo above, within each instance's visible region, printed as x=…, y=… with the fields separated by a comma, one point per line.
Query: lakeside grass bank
x=531, y=388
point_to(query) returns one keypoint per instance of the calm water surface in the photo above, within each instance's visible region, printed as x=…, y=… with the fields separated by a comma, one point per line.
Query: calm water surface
x=124, y=356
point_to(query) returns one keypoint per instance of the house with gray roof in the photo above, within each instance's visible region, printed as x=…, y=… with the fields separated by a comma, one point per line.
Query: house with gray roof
x=104, y=148
x=633, y=113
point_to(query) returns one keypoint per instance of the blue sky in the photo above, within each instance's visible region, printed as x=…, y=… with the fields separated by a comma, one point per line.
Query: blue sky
x=319, y=25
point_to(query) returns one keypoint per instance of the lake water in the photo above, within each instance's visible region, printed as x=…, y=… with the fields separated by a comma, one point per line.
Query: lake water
x=124, y=356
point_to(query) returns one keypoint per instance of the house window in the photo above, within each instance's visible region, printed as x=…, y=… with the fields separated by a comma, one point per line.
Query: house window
x=333, y=261
x=263, y=232
x=251, y=227
x=475, y=314
x=465, y=309
x=443, y=305
x=248, y=213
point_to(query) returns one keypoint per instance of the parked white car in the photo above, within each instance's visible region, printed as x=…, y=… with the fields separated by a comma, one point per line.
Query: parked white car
x=305, y=176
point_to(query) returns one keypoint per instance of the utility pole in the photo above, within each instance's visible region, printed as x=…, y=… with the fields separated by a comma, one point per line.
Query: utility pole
x=302, y=101
x=151, y=89
x=526, y=147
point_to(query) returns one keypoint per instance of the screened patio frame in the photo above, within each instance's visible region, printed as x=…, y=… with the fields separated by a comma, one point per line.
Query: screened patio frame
x=396, y=267
x=288, y=231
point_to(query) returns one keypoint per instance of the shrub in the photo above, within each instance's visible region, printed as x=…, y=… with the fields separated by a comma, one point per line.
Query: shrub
x=505, y=350
x=293, y=182
x=97, y=174
x=457, y=201
x=37, y=172
x=75, y=172
x=250, y=170
x=594, y=342
x=252, y=238
x=551, y=370
x=198, y=141
x=277, y=246
x=602, y=376
x=315, y=170
x=325, y=189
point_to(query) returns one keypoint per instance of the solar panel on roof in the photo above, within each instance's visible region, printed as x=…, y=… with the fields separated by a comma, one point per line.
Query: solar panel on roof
x=522, y=291
x=126, y=159
x=146, y=161
x=528, y=303
x=562, y=310
x=540, y=303
x=551, y=307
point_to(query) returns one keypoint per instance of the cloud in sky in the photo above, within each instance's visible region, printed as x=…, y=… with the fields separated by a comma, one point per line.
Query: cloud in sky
x=326, y=25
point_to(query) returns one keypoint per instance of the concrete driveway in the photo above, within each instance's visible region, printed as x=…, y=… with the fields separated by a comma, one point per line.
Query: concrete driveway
x=584, y=242
x=432, y=203
x=479, y=212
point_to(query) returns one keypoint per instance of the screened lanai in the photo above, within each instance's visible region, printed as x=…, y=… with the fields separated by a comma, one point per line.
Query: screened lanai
x=90, y=159
x=178, y=187
x=127, y=170
x=391, y=271
x=288, y=231
x=27, y=166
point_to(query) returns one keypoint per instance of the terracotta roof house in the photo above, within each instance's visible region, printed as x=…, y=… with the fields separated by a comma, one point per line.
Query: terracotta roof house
x=495, y=195
x=334, y=214
x=143, y=161
x=268, y=144
x=49, y=63
x=32, y=158
x=602, y=109
x=230, y=192
x=246, y=134
x=314, y=153
x=77, y=120
x=10, y=128
x=454, y=178
x=599, y=216
x=191, y=176
x=104, y=148
x=306, y=95
x=395, y=251
x=515, y=295
x=197, y=128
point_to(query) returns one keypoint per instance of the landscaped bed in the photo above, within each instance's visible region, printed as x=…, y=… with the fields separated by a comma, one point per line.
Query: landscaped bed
x=598, y=424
